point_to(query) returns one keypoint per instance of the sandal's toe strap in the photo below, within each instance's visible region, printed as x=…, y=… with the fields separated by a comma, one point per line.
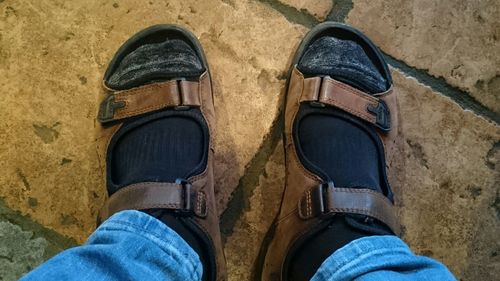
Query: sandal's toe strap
x=136, y=101
x=327, y=91
x=150, y=195
x=327, y=200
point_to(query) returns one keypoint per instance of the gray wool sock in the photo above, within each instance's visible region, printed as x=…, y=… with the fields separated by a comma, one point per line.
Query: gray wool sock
x=344, y=60
x=155, y=62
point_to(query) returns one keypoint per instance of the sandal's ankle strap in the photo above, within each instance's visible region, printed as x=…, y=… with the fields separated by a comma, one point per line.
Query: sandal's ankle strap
x=326, y=200
x=178, y=196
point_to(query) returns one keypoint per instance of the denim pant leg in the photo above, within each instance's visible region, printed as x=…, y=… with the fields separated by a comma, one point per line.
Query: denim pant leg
x=385, y=258
x=128, y=246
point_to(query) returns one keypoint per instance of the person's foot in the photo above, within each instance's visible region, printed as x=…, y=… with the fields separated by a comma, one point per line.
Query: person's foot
x=340, y=126
x=155, y=138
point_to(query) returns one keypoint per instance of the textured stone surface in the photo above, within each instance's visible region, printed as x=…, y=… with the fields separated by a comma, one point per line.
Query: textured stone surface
x=19, y=252
x=317, y=8
x=257, y=218
x=450, y=198
x=457, y=40
x=24, y=244
x=54, y=54
x=49, y=87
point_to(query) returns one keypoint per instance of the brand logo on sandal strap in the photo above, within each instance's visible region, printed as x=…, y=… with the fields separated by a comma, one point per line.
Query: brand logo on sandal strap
x=382, y=115
x=108, y=108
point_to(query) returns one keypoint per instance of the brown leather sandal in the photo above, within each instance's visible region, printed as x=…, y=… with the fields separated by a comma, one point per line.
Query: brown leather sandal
x=193, y=198
x=308, y=201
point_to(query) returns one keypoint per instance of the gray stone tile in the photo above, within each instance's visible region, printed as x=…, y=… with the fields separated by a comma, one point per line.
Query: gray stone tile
x=25, y=244
x=457, y=40
x=19, y=251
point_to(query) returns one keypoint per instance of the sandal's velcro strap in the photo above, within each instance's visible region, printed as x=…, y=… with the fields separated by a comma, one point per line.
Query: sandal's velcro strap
x=325, y=90
x=136, y=101
x=327, y=200
x=152, y=195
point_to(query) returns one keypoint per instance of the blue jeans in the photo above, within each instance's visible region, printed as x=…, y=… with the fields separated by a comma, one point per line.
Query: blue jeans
x=134, y=246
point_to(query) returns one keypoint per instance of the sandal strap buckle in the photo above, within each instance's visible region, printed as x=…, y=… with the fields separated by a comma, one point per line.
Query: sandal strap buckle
x=186, y=195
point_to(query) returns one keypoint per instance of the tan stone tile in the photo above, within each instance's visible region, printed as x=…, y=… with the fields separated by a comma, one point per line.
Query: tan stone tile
x=53, y=55
x=452, y=179
x=49, y=87
x=242, y=247
x=457, y=40
x=318, y=8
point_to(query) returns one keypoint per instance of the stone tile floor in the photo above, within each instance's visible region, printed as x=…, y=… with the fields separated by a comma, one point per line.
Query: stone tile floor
x=446, y=68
